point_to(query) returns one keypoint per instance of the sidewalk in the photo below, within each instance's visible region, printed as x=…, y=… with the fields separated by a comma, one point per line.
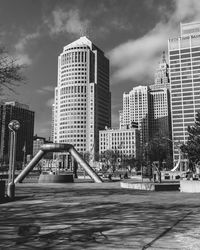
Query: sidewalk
x=99, y=216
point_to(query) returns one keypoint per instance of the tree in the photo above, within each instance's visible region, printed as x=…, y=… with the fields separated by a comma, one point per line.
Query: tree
x=87, y=156
x=192, y=146
x=10, y=71
x=110, y=158
x=157, y=150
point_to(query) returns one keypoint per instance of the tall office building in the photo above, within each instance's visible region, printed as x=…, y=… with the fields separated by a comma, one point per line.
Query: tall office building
x=184, y=58
x=136, y=109
x=159, y=96
x=159, y=115
x=161, y=79
x=82, y=104
x=16, y=111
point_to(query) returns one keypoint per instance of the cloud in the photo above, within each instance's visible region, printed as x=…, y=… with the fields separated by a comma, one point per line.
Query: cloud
x=136, y=60
x=67, y=21
x=50, y=102
x=45, y=89
x=21, y=46
x=187, y=10
x=23, y=59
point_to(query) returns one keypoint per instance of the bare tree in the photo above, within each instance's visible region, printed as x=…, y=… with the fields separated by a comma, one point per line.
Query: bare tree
x=10, y=71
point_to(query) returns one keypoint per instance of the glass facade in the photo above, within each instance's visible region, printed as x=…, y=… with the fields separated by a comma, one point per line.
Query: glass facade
x=184, y=58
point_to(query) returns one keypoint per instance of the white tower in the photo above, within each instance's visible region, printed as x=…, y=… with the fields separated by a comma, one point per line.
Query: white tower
x=82, y=104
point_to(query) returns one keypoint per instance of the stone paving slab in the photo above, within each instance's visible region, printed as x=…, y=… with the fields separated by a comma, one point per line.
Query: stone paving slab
x=99, y=216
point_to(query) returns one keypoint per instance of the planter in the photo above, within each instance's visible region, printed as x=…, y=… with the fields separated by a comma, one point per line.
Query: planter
x=51, y=178
x=2, y=189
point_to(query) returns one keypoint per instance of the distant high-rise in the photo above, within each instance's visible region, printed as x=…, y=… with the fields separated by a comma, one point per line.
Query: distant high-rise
x=150, y=108
x=16, y=111
x=160, y=112
x=136, y=109
x=184, y=58
x=161, y=75
x=82, y=104
x=124, y=142
x=159, y=117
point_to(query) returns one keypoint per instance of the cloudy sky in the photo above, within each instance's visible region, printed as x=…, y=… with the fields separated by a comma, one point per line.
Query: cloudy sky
x=133, y=34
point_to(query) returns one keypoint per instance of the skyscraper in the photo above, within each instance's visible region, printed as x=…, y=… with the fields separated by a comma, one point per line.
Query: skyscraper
x=160, y=112
x=136, y=109
x=159, y=117
x=16, y=111
x=184, y=58
x=161, y=75
x=82, y=104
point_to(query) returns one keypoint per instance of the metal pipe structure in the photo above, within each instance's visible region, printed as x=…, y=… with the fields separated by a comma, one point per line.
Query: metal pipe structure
x=57, y=147
x=84, y=165
x=30, y=166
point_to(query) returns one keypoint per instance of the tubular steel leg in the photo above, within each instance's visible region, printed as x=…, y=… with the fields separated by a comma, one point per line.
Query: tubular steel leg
x=30, y=166
x=83, y=164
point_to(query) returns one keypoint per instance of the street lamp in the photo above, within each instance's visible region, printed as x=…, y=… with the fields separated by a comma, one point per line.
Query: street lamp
x=14, y=125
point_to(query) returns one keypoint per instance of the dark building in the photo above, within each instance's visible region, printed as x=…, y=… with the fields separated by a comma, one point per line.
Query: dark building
x=38, y=141
x=15, y=111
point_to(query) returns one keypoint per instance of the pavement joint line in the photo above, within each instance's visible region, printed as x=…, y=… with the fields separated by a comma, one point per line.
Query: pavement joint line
x=166, y=231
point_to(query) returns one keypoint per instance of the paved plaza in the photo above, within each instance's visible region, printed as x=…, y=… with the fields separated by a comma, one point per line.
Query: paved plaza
x=98, y=216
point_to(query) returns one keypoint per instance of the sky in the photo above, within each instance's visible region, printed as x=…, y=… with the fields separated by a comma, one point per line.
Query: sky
x=132, y=33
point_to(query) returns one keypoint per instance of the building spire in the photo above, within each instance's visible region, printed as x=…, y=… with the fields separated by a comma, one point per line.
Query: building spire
x=163, y=57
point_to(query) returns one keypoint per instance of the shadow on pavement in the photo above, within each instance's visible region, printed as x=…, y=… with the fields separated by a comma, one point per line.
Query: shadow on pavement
x=78, y=217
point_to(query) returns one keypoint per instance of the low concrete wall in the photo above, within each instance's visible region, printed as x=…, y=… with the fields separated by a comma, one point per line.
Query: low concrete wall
x=150, y=186
x=50, y=178
x=138, y=185
x=190, y=186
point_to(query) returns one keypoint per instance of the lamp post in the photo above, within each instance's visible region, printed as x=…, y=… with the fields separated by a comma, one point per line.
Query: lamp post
x=14, y=125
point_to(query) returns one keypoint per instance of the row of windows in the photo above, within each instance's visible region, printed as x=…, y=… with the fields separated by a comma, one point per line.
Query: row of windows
x=73, y=89
x=182, y=61
x=184, y=51
x=178, y=65
x=73, y=69
x=73, y=66
x=74, y=57
x=188, y=55
x=73, y=77
x=186, y=78
x=73, y=127
x=185, y=67
x=73, y=74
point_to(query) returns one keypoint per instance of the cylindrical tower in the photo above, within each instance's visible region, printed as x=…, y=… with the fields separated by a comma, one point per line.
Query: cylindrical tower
x=81, y=109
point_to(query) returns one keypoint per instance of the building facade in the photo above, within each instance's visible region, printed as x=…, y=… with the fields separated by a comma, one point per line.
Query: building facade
x=159, y=96
x=184, y=58
x=125, y=142
x=15, y=111
x=161, y=79
x=38, y=141
x=159, y=117
x=136, y=109
x=82, y=104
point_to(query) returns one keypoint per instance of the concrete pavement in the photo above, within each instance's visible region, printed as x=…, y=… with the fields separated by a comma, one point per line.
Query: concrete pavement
x=98, y=216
